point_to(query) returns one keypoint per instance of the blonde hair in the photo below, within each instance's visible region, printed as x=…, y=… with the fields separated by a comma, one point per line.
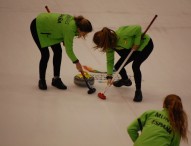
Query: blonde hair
x=177, y=116
x=105, y=38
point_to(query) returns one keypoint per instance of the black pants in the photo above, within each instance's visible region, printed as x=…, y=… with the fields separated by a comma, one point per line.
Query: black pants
x=138, y=57
x=57, y=51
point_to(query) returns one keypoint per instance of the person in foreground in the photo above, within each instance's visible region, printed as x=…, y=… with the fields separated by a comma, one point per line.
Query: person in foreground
x=161, y=128
x=122, y=41
x=50, y=30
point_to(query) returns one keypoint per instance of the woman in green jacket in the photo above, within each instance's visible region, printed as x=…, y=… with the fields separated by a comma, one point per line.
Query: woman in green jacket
x=49, y=30
x=122, y=41
x=161, y=128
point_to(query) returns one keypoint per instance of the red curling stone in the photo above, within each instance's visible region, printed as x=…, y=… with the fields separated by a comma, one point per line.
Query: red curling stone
x=101, y=96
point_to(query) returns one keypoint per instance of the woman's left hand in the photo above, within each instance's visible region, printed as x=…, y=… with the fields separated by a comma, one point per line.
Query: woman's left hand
x=79, y=67
x=135, y=47
x=109, y=82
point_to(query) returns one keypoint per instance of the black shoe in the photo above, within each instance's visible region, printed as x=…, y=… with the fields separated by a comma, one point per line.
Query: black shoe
x=122, y=82
x=58, y=83
x=138, y=96
x=42, y=84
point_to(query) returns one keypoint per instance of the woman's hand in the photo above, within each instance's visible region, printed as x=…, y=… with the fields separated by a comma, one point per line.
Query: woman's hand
x=79, y=67
x=135, y=47
x=109, y=82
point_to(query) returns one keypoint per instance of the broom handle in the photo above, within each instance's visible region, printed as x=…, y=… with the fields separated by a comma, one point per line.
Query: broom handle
x=149, y=26
x=127, y=58
x=47, y=9
x=116, y=74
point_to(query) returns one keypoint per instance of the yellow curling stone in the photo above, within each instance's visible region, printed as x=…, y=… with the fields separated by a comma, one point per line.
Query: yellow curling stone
x=79, y=80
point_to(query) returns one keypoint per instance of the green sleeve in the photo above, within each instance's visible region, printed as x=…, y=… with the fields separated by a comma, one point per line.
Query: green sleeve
x=134, y=127
x=133, y=130
x=175, y=140
x=110, y=61
x=68, y=42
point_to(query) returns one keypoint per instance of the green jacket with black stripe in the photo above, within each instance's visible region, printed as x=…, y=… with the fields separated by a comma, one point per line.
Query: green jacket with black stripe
x=156, y=130
x=53, y=28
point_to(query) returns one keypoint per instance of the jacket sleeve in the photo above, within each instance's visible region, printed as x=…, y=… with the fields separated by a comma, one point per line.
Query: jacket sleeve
x=110, y=61
x=68, y=42
x=176, y=140
x=134, y=128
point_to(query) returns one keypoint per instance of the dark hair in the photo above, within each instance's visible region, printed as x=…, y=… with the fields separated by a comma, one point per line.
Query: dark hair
x=83, y=24
x=105, y=38
x=177, y=116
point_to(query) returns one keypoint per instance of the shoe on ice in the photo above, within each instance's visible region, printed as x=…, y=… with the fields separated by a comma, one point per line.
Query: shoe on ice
x=138, y=96
x=122, y=82
x=57, y=82
x=42, y=84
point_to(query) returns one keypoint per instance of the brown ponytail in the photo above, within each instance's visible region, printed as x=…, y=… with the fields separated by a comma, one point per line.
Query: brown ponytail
x=83, y=24
x=105, y=38
x=177, y=116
